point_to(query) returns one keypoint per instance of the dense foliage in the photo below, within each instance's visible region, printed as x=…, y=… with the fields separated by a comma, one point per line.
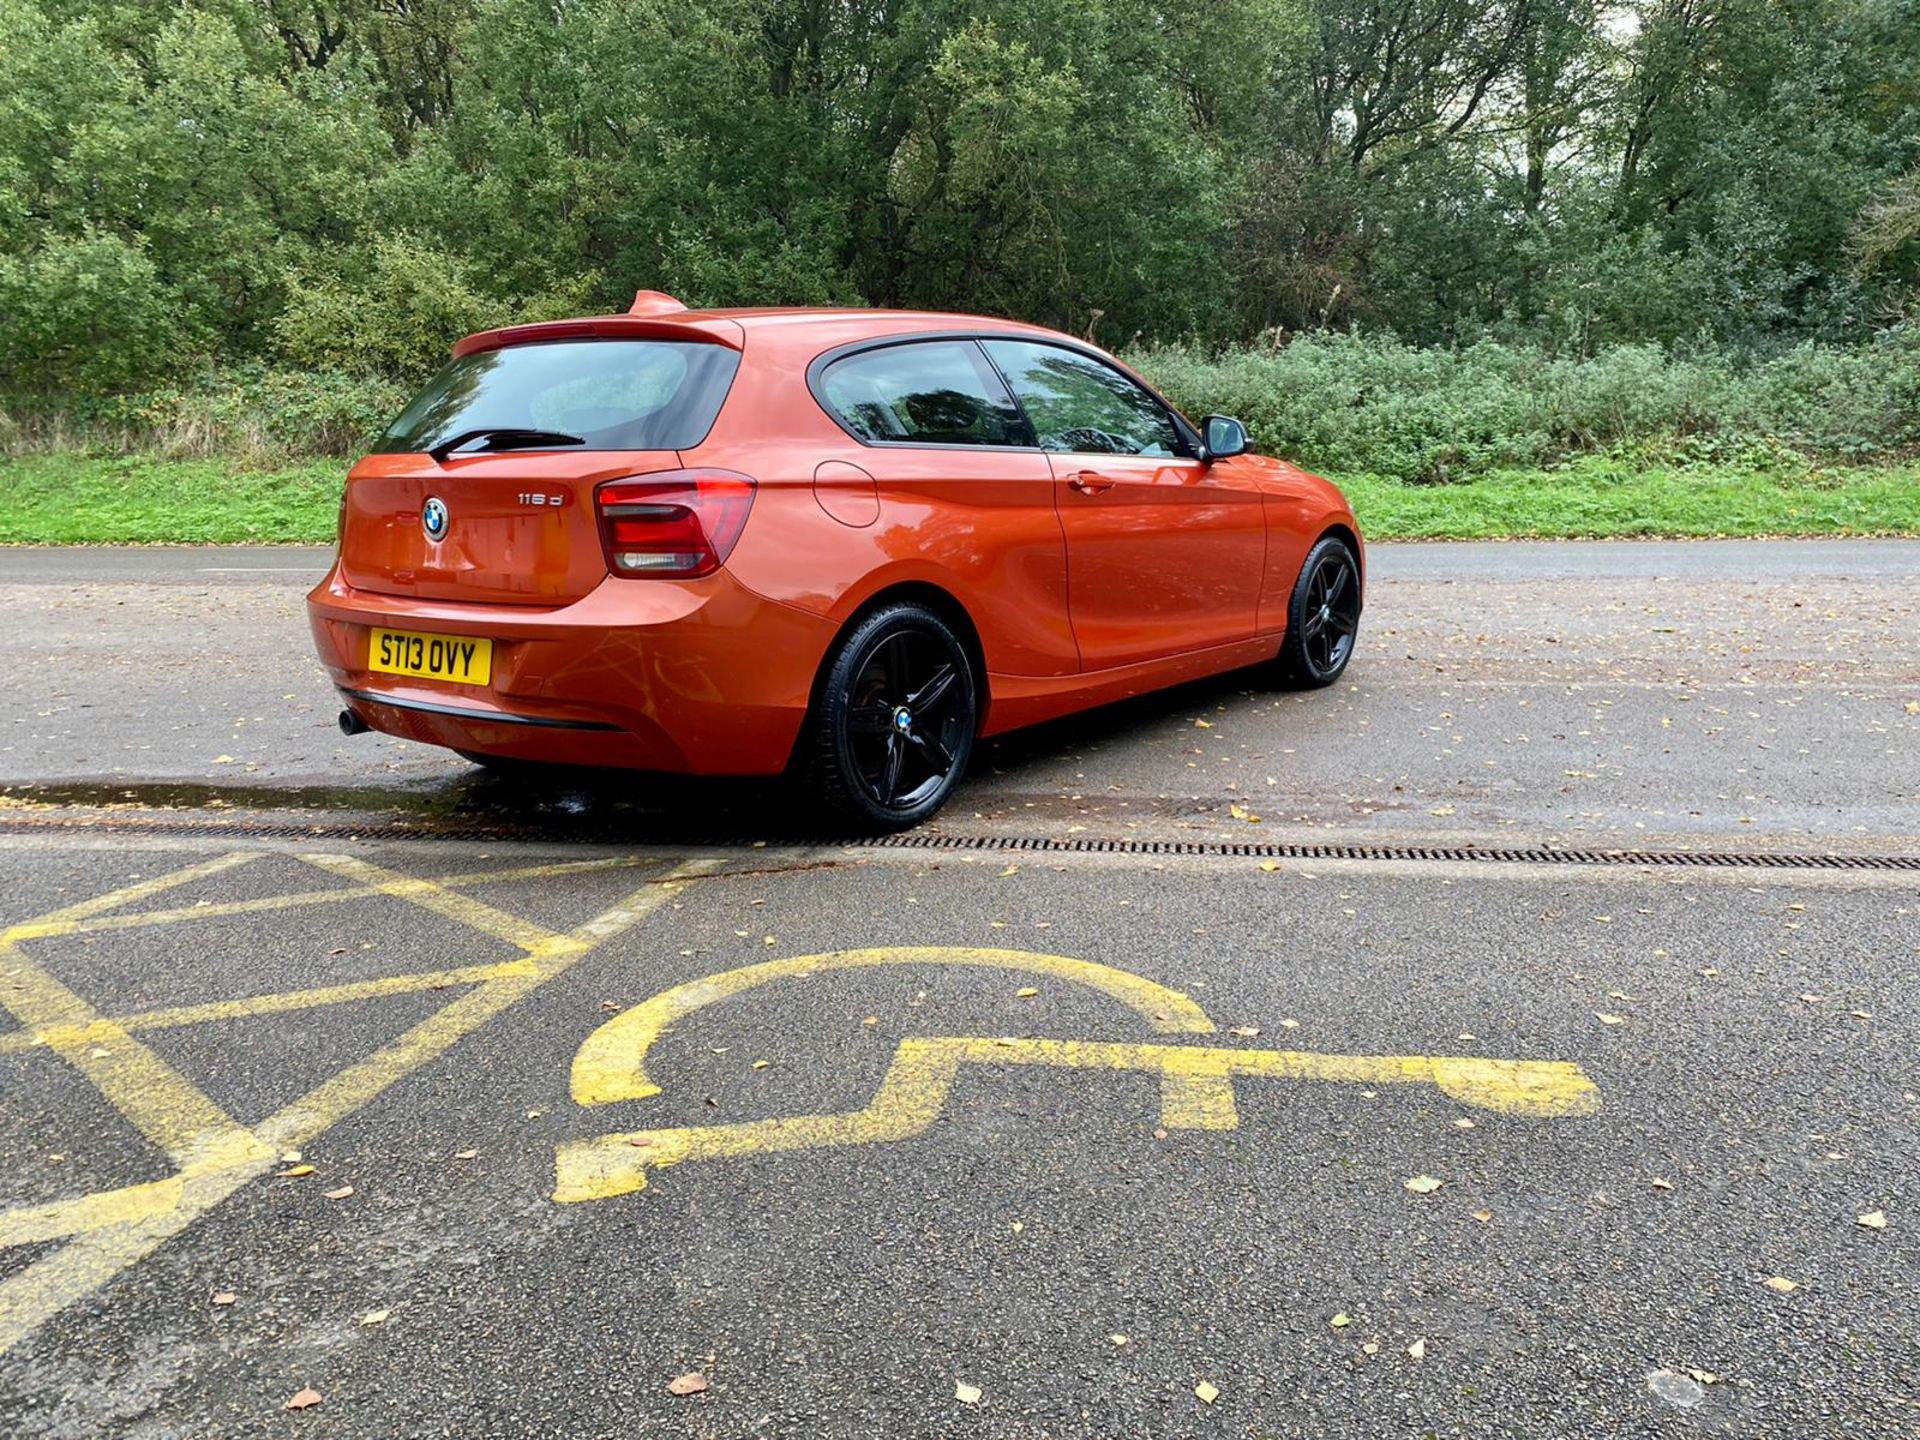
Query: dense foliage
x=1569, y=198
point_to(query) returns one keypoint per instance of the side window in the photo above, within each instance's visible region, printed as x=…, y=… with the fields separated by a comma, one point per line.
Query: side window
x=1078, y=404
x=934, y=392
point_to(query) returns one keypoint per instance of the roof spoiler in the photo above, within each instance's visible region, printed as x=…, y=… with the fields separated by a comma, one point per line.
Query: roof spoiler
x=677, y=324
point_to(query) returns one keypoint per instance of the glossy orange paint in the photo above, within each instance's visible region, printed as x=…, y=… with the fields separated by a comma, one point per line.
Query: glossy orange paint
x=1083, y=578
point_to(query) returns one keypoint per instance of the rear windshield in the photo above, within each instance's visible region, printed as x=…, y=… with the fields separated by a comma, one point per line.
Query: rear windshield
x=613, y=394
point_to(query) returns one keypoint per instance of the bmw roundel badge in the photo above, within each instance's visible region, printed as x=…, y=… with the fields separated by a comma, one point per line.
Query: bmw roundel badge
x=433, y=518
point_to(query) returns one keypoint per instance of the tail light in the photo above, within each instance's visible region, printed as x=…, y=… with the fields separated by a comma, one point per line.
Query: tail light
x=680, y=523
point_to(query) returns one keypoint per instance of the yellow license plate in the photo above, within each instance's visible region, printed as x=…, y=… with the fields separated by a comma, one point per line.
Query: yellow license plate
x=458, y=658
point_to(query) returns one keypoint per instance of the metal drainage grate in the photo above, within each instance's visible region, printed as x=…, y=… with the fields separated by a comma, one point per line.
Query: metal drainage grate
x=1538, y=855
x=602, y=833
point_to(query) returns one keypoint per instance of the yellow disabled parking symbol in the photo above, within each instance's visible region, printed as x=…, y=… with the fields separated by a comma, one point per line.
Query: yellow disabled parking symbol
x=1196, y=1079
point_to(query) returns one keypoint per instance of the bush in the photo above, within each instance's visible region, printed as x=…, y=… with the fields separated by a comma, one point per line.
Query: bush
x=1359, y=404
x=83, y=312
x=252, y=413
x=395, y=318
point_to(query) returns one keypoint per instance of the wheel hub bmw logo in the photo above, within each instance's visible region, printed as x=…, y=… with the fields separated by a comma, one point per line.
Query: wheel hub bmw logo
x=903, y=720
x=433, y=518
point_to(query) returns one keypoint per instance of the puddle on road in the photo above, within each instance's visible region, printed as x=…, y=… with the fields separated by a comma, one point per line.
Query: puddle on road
x=563, y=804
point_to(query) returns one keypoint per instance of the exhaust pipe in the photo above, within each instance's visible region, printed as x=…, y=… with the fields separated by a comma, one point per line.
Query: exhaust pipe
x=352, y=724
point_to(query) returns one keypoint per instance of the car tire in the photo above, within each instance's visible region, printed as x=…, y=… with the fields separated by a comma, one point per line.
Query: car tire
x=1323, y=616
x=893, y=728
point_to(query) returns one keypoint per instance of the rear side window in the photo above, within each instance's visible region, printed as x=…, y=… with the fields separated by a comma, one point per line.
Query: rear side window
x=613, y=394
x=931, y=392
x=1080, y=405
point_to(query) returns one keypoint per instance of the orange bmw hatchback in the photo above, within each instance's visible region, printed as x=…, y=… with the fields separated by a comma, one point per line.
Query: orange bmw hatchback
x=845, y=544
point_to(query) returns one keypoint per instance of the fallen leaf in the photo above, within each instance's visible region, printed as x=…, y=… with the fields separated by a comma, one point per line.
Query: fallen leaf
x=304, y=1400
x=1710, y=971
x=1417, y=1350
x=1289, y=1024
x=761, y=1064
x=1026, y=992
x=1872, y=1220
x=871, y=1020
x=1245, y=1032
x=640, y=1142
x=466, y=1154
x=1424, y=1184
x=342, y=1193
x=1240, y=812
x=1010, y=870
x=1606, y=1019
x=1341, y=1321
x=966, y=1394
x=1017, y=1226
x=1782, y=1284
x=1372, y=1347
x=1813, y=999
x=293, y=1172
x=1203, y=725
x=1118, y=1339
x=1159, y=1134
x=1660, y=1183
x=1207, y=1391
x=1441, y=810
x=228, y=760
x=1703, y=1377
x=690, y=1384
x=1463, y=1123
x=1269, y=864
x=1483, y=1216
x=222, y=1297
x=375, y=1317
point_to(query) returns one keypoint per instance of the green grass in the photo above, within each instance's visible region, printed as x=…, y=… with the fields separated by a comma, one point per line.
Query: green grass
x=81, y=500
x=1599, y=496
x=71, y=499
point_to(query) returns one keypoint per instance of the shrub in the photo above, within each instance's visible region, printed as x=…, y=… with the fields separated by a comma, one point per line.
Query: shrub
x=1359, y=404
x=252, y=413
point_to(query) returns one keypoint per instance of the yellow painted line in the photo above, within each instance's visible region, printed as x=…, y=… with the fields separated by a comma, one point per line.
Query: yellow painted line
x=611, y=1066
x=62, y=921
x=153, y=1097
x=58, y=925
x=173, y=1016
x=361, y=1082
x=118, y=1229
x=920, y=1079
x=475, y=914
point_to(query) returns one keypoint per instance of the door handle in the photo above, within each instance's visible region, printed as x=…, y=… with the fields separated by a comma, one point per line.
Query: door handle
x=1089, y=482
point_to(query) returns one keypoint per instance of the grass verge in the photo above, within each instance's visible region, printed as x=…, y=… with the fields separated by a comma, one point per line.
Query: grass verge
x=73, y=499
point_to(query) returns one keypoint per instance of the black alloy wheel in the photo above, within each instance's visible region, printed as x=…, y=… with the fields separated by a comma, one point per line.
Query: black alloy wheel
x=1323, y=617
x=896, y=720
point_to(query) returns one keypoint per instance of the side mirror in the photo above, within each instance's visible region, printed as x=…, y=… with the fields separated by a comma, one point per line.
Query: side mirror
x=1223, y=437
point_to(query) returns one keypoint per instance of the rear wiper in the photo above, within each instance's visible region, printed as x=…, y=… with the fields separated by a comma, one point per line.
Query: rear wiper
x=504, y=437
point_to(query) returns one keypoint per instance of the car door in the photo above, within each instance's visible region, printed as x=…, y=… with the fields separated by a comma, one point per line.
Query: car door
x=1165, y=552
x=965, y=497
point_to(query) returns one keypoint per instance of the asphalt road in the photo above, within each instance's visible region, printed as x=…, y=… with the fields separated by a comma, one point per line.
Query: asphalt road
x=1634, y=693
x=988, y=1143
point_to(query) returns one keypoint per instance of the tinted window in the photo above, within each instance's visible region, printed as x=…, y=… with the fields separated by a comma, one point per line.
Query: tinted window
x=936, y=392
x=1078, y=404
x=613, y=394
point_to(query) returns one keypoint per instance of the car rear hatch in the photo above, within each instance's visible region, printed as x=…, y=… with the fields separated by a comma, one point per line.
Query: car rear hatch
x=483, y=490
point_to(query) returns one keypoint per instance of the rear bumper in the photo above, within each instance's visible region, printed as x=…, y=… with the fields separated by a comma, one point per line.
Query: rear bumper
x=700, y=677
